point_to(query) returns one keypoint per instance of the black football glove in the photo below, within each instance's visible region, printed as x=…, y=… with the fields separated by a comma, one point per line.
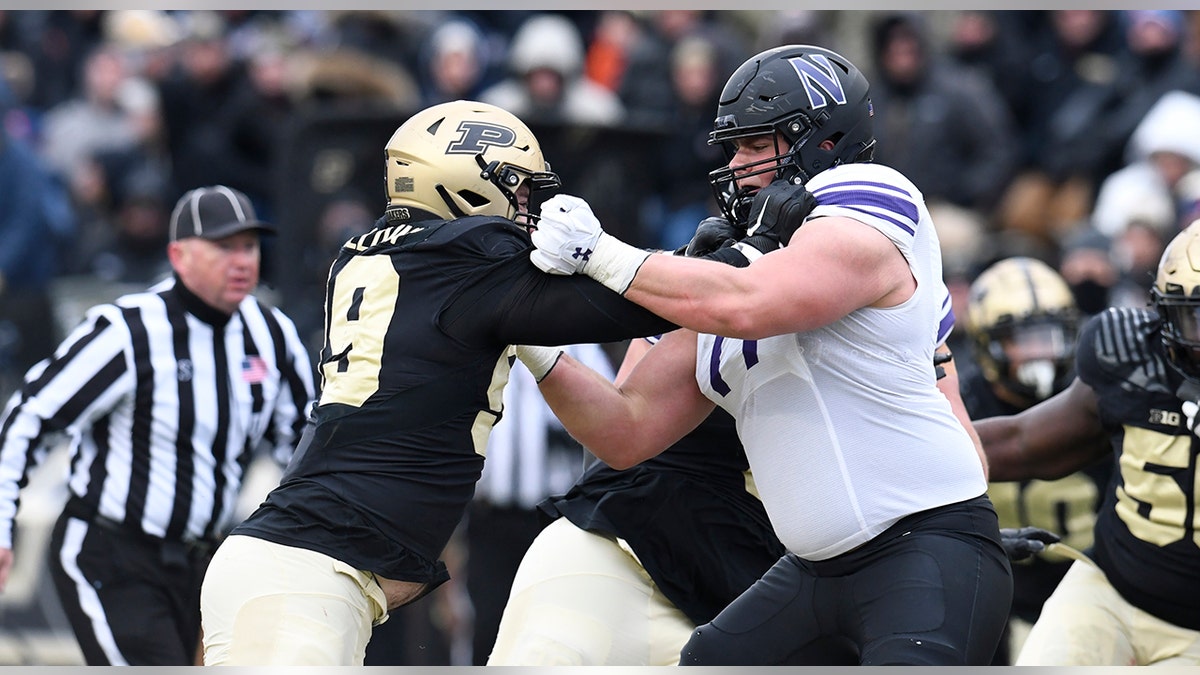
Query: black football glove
x=777, y=212
x=1026, y=542
x=712, y=233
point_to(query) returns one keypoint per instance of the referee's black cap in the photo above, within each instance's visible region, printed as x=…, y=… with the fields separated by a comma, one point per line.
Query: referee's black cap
x=214, y=212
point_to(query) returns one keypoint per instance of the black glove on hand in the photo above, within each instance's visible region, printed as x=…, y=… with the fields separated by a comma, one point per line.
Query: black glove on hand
x=1025, y=542
x=777, y=212
x=711, y=234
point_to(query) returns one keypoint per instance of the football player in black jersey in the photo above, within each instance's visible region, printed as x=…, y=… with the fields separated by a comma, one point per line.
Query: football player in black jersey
x=1023, y=322
x=637, y=558
x=420, y=313
x=1135, y=398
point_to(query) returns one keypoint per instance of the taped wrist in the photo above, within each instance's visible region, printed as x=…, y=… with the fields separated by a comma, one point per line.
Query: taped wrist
x=614, y=263
x=539, y=360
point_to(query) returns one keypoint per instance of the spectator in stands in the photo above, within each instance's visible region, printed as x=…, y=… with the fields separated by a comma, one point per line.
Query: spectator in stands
x=106, y=116
x=129, y=250
x=194, y=96
x=608, y=52
x=254, y=122
x=645, y=89
x=943, y=126
x=994, y=44
x=1144, y=204
x=36, y=221
x=1105, y=118
x=547, y=84
x=683, y=197
x=1074, y=55
x=454, y=63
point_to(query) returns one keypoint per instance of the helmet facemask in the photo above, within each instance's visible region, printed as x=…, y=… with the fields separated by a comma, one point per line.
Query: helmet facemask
x=1024, y=324
x=508, y=179
x=735, y=199
x=1176, y=298
x=1033, y=358
x=1180, y=332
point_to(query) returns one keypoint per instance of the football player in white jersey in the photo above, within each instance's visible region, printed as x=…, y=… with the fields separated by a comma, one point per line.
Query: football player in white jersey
x=821, y=351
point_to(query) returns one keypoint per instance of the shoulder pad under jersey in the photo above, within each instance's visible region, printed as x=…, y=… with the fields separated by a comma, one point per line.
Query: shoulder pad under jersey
x=1121, y=346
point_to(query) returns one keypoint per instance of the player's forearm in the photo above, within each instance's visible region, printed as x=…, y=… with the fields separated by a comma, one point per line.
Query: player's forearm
x=702, y=295
x=1050, y=440
x=596, y=413
x=1017, y=447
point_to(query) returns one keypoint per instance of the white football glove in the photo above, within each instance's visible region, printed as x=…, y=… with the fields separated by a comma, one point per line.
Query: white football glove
x=569, y=240
x=566, y=235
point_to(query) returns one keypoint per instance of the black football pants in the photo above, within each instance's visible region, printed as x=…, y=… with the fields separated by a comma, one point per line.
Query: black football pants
x=934, y=589
x=131, y=599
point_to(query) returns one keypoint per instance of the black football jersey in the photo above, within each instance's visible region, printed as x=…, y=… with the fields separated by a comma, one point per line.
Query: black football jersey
x=1066, y=506
x=419, y=320
x=686, y=513
x=1147, y=541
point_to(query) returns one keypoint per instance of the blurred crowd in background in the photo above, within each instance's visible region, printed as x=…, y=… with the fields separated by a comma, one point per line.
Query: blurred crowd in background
x=1072, y=136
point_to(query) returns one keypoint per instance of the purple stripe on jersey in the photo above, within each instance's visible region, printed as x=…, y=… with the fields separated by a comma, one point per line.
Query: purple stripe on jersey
x=714, y=368
x=859, y=198
x=750, y=353
x=867, y=183
x=946, y=326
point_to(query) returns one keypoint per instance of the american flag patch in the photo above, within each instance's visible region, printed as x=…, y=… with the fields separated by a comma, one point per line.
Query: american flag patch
x=254, y=369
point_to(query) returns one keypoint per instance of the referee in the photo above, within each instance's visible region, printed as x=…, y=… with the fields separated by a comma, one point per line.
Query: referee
x=164, y=395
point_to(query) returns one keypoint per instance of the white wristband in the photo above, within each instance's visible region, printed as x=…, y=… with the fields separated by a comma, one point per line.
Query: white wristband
x=614, y=263
x=539, y=360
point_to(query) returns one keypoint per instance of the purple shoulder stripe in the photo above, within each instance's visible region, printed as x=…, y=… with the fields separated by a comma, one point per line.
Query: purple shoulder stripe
x=896, y=207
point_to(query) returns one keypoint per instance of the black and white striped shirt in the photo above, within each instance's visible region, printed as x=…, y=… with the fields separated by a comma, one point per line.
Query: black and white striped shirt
x=163, y=400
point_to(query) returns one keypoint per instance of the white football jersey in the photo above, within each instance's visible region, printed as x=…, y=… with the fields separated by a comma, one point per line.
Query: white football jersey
x=844, y=426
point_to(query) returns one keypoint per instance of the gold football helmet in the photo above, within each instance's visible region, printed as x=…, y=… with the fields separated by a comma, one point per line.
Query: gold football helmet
x=1176, y=298
x=464, y=158
x=1024, y=323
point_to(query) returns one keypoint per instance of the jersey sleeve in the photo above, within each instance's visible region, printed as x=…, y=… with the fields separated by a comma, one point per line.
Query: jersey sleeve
x=516, y=303
x=873, y=194
x=1115, y=349
x=82, y=379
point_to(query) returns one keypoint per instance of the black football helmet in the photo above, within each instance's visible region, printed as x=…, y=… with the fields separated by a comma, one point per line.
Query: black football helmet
x=1176, y=298
x=809, y=95
x=1023, y=322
